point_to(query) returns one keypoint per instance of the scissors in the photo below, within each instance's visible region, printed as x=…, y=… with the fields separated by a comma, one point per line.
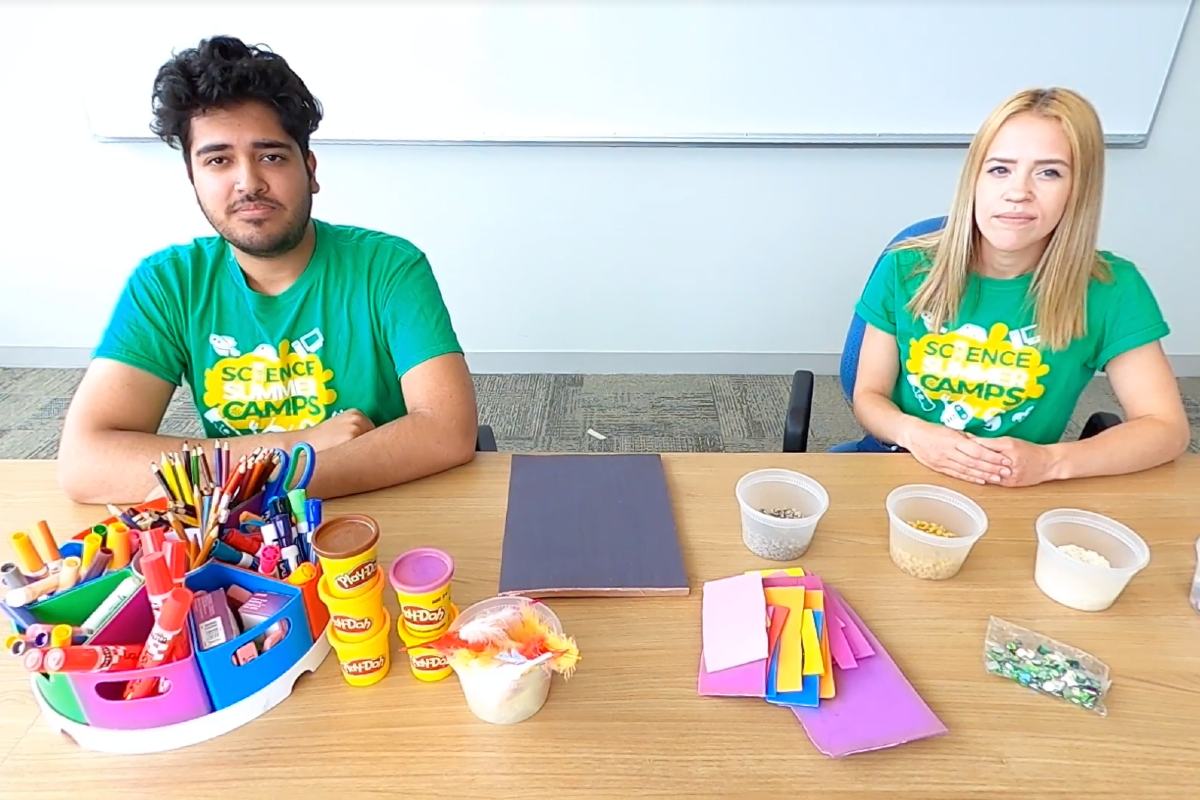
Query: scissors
x=288, y=464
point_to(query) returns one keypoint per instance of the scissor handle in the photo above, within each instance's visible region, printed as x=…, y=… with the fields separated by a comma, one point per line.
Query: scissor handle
x=280, y=473
x=310, y=460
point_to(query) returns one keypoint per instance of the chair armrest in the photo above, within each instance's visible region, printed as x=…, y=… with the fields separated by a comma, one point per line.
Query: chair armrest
x=1098, y=423
x=799, y=413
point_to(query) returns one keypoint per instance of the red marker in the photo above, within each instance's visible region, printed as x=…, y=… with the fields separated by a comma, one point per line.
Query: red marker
x=157, y=649
x=268, y=560
x=177, y=560
x=240, y=541
x=92, y=658
x=152, y=541
x=157, y=573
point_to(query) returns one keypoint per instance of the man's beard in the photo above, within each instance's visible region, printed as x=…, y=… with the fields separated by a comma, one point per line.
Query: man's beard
x=261, y=245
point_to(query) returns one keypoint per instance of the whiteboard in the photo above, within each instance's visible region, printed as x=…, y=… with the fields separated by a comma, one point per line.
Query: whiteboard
x=704, y=72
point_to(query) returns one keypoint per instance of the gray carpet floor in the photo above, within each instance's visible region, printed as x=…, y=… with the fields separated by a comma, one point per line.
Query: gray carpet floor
x=552, y=413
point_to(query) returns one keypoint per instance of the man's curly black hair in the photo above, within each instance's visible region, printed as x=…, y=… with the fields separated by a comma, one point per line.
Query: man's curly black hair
x=222, y=72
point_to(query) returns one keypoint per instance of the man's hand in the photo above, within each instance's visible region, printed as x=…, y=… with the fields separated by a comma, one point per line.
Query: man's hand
x=336, y=430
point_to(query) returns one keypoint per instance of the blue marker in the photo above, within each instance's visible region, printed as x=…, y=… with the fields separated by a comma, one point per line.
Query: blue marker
x=281, y=518
x=312, y=512
x=231, y=555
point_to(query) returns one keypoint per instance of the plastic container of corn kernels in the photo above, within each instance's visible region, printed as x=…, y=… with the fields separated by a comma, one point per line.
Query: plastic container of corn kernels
x=925, y=555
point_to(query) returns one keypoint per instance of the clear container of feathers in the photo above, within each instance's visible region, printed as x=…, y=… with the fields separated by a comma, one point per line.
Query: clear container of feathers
x=505, y=651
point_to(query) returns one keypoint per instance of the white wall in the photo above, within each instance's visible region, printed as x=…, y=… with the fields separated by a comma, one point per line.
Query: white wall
x=555, y=258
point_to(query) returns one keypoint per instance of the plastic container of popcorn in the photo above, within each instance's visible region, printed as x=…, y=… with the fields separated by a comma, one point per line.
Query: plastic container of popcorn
x=1075, y=583
x=504, y=694
x=926, y=555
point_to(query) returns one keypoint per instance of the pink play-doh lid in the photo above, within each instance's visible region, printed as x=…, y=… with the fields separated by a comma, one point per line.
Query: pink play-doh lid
x=421, y=570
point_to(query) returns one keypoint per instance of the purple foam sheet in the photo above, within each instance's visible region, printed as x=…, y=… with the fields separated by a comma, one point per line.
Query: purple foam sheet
x=875, y=708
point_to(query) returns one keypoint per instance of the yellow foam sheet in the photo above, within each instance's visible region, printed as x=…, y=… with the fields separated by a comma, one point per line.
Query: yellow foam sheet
x=814, y=599
x=827, y=689
x=815, y=662
x=789, y=677
x=811, y=644
x=789, y=572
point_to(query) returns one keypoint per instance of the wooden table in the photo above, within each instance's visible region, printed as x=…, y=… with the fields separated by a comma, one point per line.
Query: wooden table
x=630, y=724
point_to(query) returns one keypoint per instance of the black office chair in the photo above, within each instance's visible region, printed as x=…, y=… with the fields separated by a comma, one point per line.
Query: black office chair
x=799, y=410
x=485, y=440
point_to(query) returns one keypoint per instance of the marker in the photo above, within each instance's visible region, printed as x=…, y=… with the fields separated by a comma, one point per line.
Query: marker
x=33, y=659
x=15, y=644
x=242, y=542
x=303, y=574
x=158, y=580
x=31, y=563
x=176, y=557
x=167, y=627
x=289, y=557
x=100, y=562
x=152, y=540
x=68, y=576
x=289, y=551
x=298, y=501
x=11, y=577
x=32, y=592
x=38, y=635
x=60, y=636
x=111, y=604
x=313, y=513
x=92, y=658
x=269, y=533
x=268, y=560
x=47, y=548
x=230, y=555
x=118, y=542
x=91, y=546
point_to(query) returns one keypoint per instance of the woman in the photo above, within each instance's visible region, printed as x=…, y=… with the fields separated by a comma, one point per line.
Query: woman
x=982, y=336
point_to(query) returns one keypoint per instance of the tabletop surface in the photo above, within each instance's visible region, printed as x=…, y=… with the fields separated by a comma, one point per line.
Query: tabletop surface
x=629, y=723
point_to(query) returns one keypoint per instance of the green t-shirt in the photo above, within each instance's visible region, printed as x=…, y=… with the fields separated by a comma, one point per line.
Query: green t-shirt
x=984, y=373
x=365, y=311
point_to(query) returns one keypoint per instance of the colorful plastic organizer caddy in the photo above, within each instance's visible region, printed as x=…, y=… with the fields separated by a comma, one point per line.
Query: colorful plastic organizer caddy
x=207, y=693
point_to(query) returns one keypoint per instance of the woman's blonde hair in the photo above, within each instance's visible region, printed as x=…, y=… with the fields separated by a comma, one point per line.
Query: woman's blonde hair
x=1070, y=260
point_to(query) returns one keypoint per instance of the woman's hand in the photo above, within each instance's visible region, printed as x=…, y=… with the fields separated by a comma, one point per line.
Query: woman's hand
x=955, y=453
x=1029, y=464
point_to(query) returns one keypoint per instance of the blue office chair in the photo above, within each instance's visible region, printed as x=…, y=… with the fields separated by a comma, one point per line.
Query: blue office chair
x=485, y=440
x=799, y=412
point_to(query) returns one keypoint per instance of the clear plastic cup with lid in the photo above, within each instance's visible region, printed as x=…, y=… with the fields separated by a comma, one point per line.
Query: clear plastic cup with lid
x=921, y=553
x=1074, y=576
x=498, y=692
x=780, y=511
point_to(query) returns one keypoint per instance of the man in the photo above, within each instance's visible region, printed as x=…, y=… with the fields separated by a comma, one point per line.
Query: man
x=288, y=329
